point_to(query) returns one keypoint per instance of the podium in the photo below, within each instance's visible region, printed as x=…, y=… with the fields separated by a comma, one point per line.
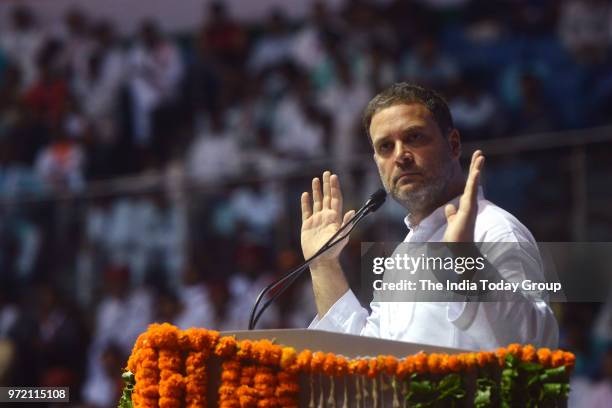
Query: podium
x=310, y=368
x=348, y=345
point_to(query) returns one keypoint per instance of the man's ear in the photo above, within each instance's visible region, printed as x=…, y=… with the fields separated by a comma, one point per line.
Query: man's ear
x=454, y=142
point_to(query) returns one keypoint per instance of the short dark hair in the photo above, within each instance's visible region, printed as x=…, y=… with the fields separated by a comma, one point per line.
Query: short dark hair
x=406, y=93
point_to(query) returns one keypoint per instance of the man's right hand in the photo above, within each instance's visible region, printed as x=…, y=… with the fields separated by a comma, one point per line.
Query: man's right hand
x=322, y=218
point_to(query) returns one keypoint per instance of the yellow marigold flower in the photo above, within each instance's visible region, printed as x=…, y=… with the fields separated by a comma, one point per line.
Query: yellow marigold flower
x=288, y=357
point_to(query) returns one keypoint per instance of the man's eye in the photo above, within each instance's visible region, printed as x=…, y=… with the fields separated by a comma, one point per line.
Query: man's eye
x=416, y=136
x=384, y=147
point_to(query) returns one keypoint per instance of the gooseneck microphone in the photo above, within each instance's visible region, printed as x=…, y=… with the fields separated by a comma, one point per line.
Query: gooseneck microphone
x=372, y=204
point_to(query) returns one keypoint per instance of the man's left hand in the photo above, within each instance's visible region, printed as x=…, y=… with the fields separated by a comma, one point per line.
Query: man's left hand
x=461, y=221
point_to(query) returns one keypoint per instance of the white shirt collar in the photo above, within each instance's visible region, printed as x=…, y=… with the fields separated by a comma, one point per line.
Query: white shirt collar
x=437, y=218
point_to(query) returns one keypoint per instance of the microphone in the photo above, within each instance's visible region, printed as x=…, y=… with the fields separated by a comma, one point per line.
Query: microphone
x=374, y=202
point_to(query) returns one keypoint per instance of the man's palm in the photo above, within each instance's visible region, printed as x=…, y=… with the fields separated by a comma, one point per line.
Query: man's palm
x=322, y=218
x=461, y=221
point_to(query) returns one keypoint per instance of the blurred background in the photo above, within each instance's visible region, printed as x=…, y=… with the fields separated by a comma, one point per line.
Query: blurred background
x=152, y=158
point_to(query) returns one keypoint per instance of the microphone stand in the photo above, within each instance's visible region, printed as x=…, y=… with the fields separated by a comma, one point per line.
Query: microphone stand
x=373, y=203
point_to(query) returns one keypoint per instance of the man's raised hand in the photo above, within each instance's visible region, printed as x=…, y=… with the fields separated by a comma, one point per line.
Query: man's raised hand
x=322, y=217
x=461, y=221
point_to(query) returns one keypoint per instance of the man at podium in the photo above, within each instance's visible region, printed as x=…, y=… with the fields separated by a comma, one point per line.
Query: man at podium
x=417, y=151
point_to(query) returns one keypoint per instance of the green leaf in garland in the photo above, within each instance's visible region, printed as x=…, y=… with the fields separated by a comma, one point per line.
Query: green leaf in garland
x=485, y=389
x=444, y=393
x=126, y=396
x=421, y=393
x=509, y=377
x=552, y=391
x=450, y=388
x=553, y=374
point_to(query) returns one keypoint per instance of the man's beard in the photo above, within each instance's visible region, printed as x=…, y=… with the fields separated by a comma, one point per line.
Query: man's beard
x=426, y=196
x=423, y=198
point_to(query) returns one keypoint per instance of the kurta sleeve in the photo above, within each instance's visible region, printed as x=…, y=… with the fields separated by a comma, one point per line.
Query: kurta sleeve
x=348, y=316
x=521, y=318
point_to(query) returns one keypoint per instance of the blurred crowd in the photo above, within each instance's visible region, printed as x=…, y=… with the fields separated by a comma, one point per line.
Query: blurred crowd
x=156, y=177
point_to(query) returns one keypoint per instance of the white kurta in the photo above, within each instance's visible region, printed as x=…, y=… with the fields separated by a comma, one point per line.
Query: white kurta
x=466, y=325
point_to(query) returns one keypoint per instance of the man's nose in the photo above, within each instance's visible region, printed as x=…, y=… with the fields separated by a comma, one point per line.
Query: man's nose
x=403, y=155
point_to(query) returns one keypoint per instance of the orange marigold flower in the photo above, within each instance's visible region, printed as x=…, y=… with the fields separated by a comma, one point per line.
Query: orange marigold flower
x=226, y=347
x=557, y=359
x=227, y=389
x=342, y=368
x=329, y=364
x=171, y=386
x=390, y=365
x=362, y=367
x=529, y=354
x=483, y=358
x=372, y=368
x=544, y=356
x=247, y=401
x=420, y=362
x=405, y=367
x=165, y=402
x=150, y=391
x=267, y=403
x=164, y=336
x=170, y=360
x=287, y=389
x=245, y=350
x=195, y=359
x=267, y=353
x=198, y=339
x=433, y=363
x=264, y=378
x=184, y=343
x=515, y=349
x=455, y=364
x=248, y=371
x=133, y=361
x=501, y=356
x=303, y=360
x=316, y=363
x=230, y=375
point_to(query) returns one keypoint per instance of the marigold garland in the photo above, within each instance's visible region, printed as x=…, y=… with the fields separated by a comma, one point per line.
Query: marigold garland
x=196, y=380
x=169, y=367
x=228, y=396
x=247, y=394
x=265, y=384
